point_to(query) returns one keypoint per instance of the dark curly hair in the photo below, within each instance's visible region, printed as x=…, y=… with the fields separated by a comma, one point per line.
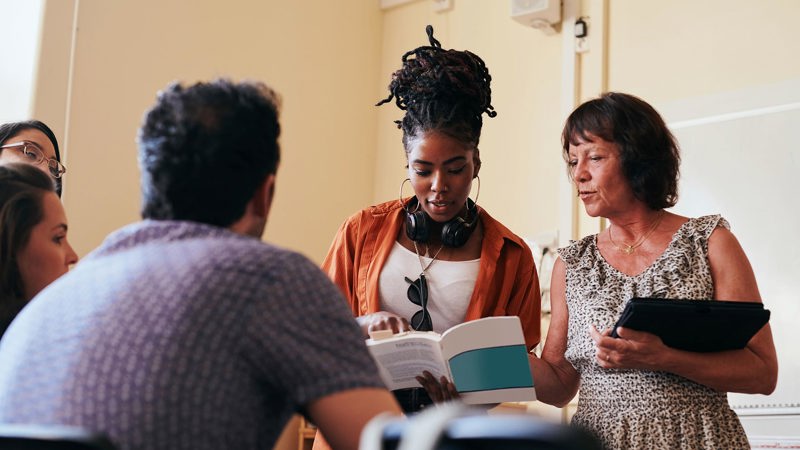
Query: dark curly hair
x=11, y=129
x=441, y=90
x=204, y=149
x=649, y=152
x=22, y=188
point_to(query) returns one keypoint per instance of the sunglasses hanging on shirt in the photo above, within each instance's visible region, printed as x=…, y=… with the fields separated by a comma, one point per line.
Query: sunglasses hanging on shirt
x=418, y=294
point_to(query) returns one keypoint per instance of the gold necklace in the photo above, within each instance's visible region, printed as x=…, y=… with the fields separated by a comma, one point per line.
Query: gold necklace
x=628, y=249
x=421, y=264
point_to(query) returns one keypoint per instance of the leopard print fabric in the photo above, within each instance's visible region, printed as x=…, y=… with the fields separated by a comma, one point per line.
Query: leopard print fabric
x=636, y=409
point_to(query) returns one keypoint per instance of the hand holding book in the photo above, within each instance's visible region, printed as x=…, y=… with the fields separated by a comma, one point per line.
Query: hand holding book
x=486, y=359
x=440, y=390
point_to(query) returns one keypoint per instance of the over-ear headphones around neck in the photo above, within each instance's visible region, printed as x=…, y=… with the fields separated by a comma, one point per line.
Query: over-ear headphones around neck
x=455, y=232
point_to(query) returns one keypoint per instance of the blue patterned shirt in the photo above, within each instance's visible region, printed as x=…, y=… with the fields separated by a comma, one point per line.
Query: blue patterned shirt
x=177, y=335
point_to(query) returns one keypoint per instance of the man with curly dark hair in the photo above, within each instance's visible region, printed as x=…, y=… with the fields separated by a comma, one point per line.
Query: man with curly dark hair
x=185, y=331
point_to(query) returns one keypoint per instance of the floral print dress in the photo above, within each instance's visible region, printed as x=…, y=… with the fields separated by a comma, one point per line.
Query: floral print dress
x=637, y=409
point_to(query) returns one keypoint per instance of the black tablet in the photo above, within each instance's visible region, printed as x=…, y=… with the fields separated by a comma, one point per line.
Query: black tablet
x=695, y=325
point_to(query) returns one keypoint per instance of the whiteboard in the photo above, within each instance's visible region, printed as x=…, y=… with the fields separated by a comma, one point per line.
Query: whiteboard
x=741, y=158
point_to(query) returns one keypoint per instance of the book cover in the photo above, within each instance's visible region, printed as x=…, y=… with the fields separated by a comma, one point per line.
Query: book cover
x=486, y=359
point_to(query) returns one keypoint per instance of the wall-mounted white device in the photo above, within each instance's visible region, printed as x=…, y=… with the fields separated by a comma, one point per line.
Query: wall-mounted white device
x=539, y=14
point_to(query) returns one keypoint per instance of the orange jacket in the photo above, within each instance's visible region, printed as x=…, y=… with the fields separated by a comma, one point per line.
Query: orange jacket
x=507, y=283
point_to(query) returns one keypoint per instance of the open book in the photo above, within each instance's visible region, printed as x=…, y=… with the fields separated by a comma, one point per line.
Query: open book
x=486, y=359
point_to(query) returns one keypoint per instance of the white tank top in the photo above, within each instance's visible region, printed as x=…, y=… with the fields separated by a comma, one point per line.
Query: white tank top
x=450, y=286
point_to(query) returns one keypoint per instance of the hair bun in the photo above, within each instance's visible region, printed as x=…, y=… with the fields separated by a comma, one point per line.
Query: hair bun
x=437, y=87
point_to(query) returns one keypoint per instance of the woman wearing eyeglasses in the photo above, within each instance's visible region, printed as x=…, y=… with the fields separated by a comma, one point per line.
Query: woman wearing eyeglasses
x=34, y=250
x=32, y=142
x=436, y=259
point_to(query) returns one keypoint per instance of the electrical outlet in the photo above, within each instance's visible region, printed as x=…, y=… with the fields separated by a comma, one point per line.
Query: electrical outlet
x=442, y=5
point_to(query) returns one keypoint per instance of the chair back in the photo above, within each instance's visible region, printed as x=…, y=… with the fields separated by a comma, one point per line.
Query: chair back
x=455, y=427
x=51, y=437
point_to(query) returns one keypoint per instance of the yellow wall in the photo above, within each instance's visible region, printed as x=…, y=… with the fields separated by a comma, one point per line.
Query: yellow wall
x=320, y=55
x=678, y=49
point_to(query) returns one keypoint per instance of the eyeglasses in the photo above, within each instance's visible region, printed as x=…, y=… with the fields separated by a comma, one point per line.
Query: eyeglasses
x=418, y=294
x=31, y=153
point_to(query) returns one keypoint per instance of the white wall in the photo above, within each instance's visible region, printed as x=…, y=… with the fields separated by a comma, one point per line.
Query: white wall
x=736, y=162
x=19, y=47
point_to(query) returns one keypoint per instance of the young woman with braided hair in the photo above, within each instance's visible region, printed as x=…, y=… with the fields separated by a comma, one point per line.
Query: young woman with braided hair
x=436, y=259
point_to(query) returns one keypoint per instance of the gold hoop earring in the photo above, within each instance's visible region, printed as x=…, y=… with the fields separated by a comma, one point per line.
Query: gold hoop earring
x=401, y=197
x=478, y=192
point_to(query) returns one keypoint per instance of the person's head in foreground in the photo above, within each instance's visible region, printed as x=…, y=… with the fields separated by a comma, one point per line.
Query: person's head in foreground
x=205, y=149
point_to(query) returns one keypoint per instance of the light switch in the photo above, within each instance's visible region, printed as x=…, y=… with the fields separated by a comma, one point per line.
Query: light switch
x=442, y=5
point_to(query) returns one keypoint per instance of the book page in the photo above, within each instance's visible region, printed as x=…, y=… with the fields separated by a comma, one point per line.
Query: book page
x=403, y=357
x=488, y=361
